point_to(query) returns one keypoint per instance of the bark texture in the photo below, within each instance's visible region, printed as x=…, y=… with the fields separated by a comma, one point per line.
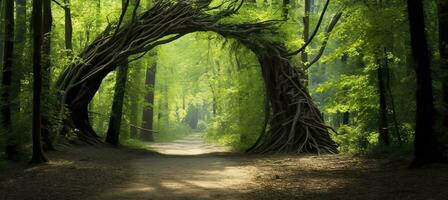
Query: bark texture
x=148, y=113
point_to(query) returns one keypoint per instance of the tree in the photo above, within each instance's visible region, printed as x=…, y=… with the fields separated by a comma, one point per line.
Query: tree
x=443, y=48
x=8, y=56
x=46, y=75
x=383, y=123
x=148, y=112
x=68, y=26
x=113, y=130
x=38, y=155
x=425, y=142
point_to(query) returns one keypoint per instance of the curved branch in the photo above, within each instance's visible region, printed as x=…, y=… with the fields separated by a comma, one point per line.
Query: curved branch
x=321, y=18
x=328, y=31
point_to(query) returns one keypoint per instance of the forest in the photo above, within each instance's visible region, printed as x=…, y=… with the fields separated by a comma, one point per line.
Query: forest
x=223, y=99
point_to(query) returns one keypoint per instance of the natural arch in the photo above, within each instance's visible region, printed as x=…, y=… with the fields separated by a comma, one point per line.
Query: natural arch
x=296, y=124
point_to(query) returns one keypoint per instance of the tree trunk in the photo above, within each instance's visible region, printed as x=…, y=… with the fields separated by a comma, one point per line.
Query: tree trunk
x=425, y=142
x=38, y=155
x=19, y=62
x=113, y=132
x=383, y=123
x=285, y=9
x=46, y=73
x=68, y=26
x=306, y=37
x=148, y=112
x=8, y=55
x=391, y=98
x=443, y=37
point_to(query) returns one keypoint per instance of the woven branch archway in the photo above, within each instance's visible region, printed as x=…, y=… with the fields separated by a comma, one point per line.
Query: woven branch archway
x=296, y=124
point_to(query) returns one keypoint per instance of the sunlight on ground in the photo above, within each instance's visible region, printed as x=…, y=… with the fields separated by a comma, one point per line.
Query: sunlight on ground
x=187, y=170
x=191, y=145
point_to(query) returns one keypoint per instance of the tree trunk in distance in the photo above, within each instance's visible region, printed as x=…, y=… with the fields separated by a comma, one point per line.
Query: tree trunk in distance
x=383, y=123
x=443, y=47
x=68, y=26
x=46, y=76
x=38, y=154
x=8, y=56
x=425, y=143
x=146, y=134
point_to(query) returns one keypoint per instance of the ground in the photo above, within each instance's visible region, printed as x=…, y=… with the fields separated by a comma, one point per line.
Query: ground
x=189, y=169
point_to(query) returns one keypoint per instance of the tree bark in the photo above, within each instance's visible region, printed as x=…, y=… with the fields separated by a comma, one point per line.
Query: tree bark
x=425, y=142
x=148, y=112
x=68, y=26
x=8, y=56
x=306, y=29
x=443, y=48
x=38, y=155
x=46, y=73
x=383, y=122
x=113, y=132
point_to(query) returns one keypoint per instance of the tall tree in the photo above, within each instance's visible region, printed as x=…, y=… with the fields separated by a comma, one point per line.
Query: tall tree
x=306, y=30
x=425, y=142
x=46, y=75
x=443, y=37
x=19, y=49
x=8, y=55
x=383, y=123
x=148, y=112
x=38, y=155
x=68, y=26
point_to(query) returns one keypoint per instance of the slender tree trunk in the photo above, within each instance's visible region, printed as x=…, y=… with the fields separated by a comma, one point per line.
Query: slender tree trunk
x=425, y=142
x=148, y=113
x=68, y=26
x=8, y=56
x=285, y=9
x=443, y=37
x=383, y=123
x=306, y=37
x=46, y=73
x=391, y=99
x=113, y=131
x=2, y=32
x=20, y=42
x=38, y=155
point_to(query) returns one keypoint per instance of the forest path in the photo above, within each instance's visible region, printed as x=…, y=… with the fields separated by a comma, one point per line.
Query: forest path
x=193, y=144
x=188, y=169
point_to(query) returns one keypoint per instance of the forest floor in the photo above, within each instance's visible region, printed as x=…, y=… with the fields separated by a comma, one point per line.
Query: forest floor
x=189, y=169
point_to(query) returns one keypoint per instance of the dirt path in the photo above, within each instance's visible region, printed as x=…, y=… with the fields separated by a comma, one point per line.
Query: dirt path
x=189, y=169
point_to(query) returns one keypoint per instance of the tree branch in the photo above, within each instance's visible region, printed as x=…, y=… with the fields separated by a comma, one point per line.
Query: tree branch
x=328, y=31
x=314, y=33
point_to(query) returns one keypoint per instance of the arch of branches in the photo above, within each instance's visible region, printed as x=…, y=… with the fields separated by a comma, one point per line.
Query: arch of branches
x=295, y=124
